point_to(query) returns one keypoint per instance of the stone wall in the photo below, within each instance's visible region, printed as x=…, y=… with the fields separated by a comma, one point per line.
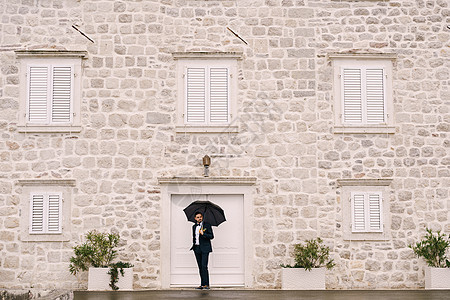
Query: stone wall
x=286, y=139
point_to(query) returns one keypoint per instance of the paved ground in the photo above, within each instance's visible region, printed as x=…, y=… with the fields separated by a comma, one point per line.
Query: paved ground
x=264, y=295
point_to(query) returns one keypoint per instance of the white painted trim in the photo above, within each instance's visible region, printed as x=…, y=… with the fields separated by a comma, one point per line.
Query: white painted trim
x=209, y=186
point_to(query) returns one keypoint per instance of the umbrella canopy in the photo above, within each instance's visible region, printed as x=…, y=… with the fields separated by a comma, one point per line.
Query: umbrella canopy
x=212, y=213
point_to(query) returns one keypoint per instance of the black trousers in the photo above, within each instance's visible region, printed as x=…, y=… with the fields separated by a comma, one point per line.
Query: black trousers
x=202, y=262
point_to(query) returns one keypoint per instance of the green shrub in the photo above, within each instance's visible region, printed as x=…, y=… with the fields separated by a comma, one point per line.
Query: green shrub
x=312, y=255
x=433, y=248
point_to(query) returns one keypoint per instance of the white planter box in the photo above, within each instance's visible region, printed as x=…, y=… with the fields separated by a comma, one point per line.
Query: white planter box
x=437, y=278
x=98, y=279
x=300, y=279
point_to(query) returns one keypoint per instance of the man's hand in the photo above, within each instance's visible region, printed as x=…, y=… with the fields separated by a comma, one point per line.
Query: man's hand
x=201, y=231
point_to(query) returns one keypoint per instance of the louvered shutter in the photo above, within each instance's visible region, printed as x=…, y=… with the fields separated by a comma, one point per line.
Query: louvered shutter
x=375, y=96
x=352, y=95
x=37, y=210
x=367, y=213
x=218, y=91
x=358, y=212
x=38, y=94
x=54, y=213
x=62, y=94
x=195, y=95
x=375, y=212
x=46, y=213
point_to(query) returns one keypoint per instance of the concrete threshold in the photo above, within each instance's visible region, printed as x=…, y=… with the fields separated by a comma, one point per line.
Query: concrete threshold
x=235, y=294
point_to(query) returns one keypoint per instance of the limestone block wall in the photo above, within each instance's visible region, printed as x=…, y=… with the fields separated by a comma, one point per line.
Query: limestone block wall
x=286, y=139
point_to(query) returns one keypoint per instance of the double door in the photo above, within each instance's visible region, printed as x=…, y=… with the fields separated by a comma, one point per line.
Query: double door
x=226, y=262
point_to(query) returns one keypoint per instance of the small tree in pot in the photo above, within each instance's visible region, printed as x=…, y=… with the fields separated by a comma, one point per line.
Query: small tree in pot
x=98, y=252
x=434, y=248
x=308, y=272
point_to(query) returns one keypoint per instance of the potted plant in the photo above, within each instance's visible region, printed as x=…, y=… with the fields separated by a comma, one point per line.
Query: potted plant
x=433, y=248
x=96, y=255
x=308, y=272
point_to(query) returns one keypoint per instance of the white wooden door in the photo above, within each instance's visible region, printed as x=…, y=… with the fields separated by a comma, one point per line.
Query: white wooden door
x=226, y=262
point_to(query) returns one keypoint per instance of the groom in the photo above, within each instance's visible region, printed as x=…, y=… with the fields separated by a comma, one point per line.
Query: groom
x=202, y=235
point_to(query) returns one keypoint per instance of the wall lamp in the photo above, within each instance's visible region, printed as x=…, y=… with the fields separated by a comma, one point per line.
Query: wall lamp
x=206, y=164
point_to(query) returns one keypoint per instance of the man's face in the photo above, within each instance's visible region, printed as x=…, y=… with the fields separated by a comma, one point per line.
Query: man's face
x=198, y=218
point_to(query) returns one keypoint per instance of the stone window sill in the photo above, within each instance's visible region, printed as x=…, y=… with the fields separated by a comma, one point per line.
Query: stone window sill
x=48, y=129
x=26, y=237
x=207, y=129
x=365, y=129
x=369, y=236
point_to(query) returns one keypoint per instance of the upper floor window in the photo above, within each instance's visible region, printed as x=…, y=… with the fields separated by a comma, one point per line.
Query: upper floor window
x=363, y=94
x=207, y=95
x=50, y=91
x=207, y=92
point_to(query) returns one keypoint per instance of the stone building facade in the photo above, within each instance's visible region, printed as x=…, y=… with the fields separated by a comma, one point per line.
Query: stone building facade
x=127, y=136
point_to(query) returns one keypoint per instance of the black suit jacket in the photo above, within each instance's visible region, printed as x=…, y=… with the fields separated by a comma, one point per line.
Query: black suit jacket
x=205, y=239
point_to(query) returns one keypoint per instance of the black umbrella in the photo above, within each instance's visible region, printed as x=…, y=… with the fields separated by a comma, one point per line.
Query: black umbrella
x=212, y=213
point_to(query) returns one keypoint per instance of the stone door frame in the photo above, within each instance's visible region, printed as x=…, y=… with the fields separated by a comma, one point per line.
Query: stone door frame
x=209, y=186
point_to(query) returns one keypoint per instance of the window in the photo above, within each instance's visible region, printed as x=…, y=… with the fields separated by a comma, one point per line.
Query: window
x=207, y=95
x=207, y=92
x=45, y=213
x=363, y=94
x=45, y=209
x=365, y=212
x=50, y=91
x=50, y=94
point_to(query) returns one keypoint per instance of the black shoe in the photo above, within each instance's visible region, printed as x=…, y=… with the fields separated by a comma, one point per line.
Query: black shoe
x=199, y=288
x=206, y=287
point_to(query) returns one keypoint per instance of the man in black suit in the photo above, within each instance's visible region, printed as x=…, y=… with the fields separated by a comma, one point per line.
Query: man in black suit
x=202, y=235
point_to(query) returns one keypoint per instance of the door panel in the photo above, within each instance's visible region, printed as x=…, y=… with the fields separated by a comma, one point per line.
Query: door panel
x=226, y=262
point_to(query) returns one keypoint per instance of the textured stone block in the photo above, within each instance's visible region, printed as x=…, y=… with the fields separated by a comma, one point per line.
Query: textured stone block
x=158, y=118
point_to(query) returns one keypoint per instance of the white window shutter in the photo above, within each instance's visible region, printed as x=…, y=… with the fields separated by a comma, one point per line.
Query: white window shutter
x=37, y=211
x=358, y=212
x=375, y=98
x=195, y=95
x=375, y=212
x=54, y=213
x=219, y=95
x=352, y=96
x=62, y=94
x=38, y=94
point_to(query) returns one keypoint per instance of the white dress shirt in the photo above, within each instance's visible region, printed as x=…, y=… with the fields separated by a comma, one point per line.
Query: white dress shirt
x=197, y=234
